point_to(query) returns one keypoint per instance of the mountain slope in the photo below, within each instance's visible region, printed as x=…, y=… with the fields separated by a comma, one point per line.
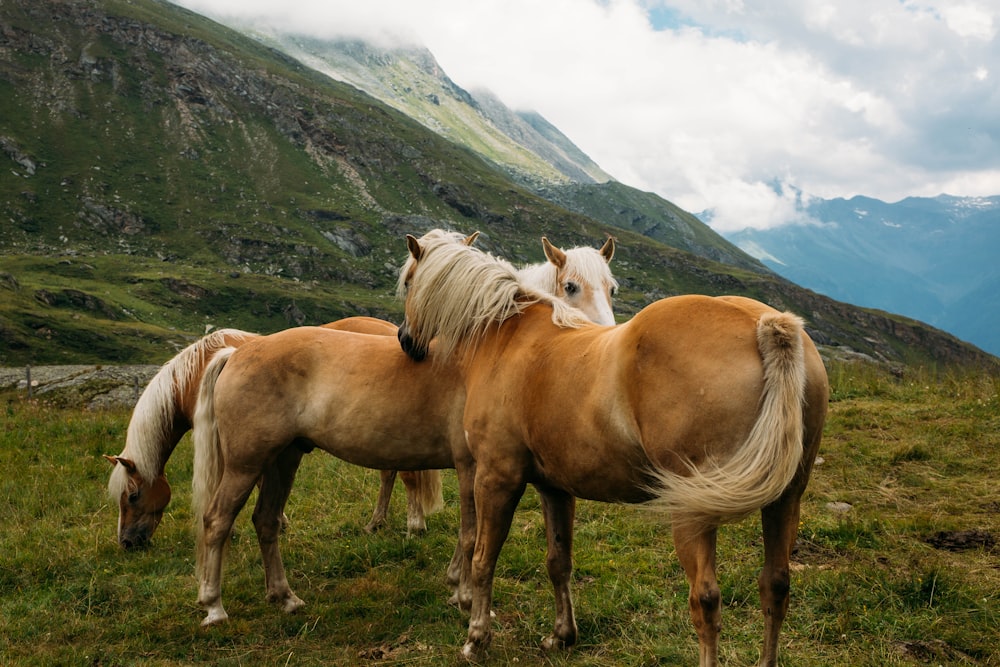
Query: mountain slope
x=164, y=174
x=523, y=144
x=931, y=259
x=409, y=79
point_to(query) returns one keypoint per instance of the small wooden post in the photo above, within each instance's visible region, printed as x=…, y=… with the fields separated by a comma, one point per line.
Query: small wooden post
x=27, y=379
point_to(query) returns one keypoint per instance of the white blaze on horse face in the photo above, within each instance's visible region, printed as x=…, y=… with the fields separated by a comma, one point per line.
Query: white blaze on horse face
x=580, y=276
x=593, y=300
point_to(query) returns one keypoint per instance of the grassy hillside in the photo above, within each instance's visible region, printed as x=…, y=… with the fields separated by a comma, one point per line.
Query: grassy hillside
x=902, y=571
x=163, y=174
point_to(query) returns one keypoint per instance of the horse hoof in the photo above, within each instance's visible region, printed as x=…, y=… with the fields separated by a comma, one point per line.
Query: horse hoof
x=214, y=617
x=473, y=652
x=553, y=643
x=292, y=604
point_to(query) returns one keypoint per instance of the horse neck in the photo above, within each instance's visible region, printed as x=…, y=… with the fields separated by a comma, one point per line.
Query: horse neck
x=158, y=422
x=534, y=322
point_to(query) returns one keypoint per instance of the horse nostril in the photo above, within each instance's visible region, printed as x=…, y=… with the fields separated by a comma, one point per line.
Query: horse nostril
x=126, y=544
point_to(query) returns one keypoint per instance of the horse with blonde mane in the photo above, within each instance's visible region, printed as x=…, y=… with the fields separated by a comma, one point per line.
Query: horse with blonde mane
x=165, y=410
x=706, y=408
x=356, y=397
x=580, y=277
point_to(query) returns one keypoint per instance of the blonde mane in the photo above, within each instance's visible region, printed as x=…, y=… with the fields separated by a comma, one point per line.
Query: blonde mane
x=154, y=413
x=458, y=292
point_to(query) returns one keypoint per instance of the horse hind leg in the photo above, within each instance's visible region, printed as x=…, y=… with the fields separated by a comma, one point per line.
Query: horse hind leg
x=780, y=523
x=213, y=538
x=695, y=547
x=275, y=487
x=559, y=509
x=423, y=497
x=387, y=480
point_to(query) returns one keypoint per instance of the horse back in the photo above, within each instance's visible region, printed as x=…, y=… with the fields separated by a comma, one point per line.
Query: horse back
x=343, y=392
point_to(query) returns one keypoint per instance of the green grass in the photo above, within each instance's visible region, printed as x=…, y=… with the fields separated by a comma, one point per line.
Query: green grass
x=913, y=454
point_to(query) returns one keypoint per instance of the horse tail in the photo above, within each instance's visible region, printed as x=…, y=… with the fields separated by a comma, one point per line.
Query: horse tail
x=428, y=492
x=207, y=456
x=764, y=465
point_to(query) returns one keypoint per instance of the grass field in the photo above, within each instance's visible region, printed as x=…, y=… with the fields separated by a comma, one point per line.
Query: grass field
x=909, y=574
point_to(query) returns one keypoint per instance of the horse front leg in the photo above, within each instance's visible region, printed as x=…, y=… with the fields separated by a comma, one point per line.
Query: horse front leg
x=276, y=485
x=213, y=537
x=387, y=480
x=559, y=509
x=695, y=547
x=780, y=521
x=496, y=499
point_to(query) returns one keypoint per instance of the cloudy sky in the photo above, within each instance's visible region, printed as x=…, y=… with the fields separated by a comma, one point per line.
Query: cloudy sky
x=730, y=105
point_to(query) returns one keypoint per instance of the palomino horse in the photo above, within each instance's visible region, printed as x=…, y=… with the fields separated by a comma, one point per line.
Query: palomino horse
x=708, y=408
x=578, y=276
x=165, y=410
x=357, y=397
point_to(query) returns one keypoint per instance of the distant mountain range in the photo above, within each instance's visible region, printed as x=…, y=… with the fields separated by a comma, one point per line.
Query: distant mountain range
x=933, y=259
x=164, y=174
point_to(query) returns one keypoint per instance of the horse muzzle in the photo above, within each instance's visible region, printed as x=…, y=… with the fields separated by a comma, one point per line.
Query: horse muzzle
x=134, y=540
x=409, y=345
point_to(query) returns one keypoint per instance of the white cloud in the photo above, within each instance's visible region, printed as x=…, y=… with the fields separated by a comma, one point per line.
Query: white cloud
x=886, y=98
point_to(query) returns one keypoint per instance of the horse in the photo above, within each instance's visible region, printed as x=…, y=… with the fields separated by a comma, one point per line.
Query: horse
x=580, y=277
x=356, y=397
x=707, y=408
x=165, y=410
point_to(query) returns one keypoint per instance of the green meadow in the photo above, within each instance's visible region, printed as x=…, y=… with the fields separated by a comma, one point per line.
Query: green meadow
x=898, y=559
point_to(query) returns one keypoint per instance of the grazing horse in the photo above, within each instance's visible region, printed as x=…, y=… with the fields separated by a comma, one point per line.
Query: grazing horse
x=357, y=397
x=707, y=408
x=165, y=410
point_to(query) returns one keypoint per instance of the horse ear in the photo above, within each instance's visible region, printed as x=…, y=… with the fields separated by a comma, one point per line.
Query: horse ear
x=413, y=245
x=126, y=463
x=471, y=238
x=608, y=249
x=553, y=254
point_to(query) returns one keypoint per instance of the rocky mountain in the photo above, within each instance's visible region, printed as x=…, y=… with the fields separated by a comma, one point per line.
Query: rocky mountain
x=933, y=259
x=409, y=78
x=521, y=143
x=164, y=175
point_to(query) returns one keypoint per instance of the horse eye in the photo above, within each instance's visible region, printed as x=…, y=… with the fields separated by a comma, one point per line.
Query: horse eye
x=133, y=497
x=571, y=288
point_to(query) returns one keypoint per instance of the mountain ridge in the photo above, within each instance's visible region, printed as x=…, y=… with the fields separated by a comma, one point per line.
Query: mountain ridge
x=166, y=175
x=931, y=258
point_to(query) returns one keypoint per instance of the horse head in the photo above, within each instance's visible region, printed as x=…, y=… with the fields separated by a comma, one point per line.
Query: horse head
x=582, y=278
x=415, y=350
x=140, y=503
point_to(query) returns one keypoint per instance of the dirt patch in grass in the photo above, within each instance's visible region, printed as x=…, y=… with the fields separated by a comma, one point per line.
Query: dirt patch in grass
x=961, y=540
x=933, y=651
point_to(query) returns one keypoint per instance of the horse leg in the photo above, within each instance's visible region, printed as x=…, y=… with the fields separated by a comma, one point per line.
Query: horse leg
x=559, y=509
x=388, y=478
x=460, y=568
x=276, y=485
x=695, y=547
x=217, y=525
x=780, y=521
x=415, y=521
x=496, y=499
